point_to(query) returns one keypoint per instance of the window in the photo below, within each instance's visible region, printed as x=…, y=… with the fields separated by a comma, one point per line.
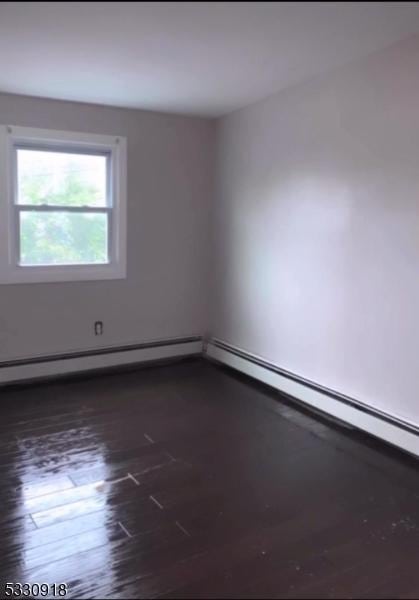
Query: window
x=62, y=206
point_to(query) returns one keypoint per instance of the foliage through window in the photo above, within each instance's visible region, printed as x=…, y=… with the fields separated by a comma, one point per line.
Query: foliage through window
x=63, y=207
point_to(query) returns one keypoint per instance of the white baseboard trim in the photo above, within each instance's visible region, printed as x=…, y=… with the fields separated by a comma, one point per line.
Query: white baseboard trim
x=56, y=365
x=391, y=429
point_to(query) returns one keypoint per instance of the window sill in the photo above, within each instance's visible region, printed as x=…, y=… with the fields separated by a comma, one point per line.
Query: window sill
x=62, y=274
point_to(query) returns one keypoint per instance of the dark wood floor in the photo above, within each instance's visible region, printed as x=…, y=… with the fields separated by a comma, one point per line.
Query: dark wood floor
x=187, y=481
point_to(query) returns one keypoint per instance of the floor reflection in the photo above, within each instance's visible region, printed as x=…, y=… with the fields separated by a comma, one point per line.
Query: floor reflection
x=63, y=529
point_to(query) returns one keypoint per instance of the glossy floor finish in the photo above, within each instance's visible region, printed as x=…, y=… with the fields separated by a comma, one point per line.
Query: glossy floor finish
x=188, y=481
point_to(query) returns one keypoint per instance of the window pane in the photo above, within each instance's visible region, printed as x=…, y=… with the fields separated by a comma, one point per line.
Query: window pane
x=61, y=179
x=63, y=238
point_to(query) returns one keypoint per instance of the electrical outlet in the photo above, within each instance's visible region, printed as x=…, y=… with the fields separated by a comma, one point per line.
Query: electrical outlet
x=98, y=327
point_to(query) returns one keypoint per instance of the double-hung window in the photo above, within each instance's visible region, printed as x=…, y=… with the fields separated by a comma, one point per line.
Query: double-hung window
x=62, y=206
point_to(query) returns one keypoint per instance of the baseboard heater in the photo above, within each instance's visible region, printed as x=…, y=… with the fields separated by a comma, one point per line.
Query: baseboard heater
x=55, y=365
x=390, y=428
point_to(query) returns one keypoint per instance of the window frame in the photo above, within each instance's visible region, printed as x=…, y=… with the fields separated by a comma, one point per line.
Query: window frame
x=12, y=138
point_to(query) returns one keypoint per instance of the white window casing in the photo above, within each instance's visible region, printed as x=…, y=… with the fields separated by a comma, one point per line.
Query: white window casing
x=13, y=138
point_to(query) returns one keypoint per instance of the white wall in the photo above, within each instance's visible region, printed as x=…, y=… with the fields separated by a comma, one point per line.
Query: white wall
x=170, y=160
x=316, y=231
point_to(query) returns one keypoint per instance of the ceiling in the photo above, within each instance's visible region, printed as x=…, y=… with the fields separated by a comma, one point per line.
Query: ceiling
x=199, y=58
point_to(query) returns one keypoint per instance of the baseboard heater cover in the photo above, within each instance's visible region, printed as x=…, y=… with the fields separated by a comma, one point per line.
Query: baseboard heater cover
x=16, y=371
x=389, y=428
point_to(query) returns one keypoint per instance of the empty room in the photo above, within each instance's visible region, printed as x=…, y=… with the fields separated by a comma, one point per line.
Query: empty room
x=209, y=300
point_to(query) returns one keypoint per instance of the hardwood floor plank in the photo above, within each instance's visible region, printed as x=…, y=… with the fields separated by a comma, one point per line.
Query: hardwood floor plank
x=82, y=542
x=105, y=496
x=147, y=459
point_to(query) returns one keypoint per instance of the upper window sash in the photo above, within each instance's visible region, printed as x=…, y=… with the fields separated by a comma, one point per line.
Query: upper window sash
x=40, y=148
